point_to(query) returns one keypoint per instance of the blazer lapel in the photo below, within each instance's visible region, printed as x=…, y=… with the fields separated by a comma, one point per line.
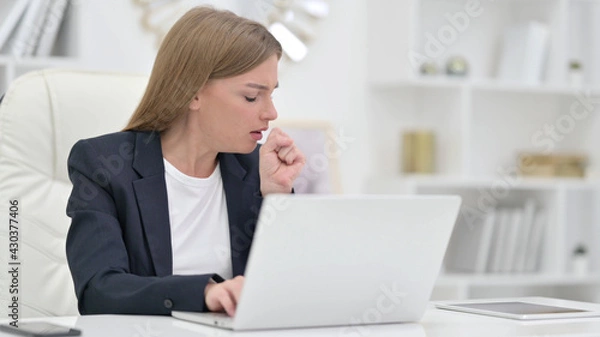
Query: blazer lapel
x=242, y=217
x=151, y=195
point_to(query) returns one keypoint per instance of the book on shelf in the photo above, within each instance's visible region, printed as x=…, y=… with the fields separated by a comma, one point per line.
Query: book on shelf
x=529, y=210
x=29, y=29
x=536, y=239
x=524, y=52
x=486, y=240
x=469, y=244
x=495, y=262
x=11, y=12
x=52, y=23
x=513, y=231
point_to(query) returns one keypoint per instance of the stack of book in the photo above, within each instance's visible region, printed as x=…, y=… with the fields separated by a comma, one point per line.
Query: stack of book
x=502, y=240
x=552, y=165
x=30, y=27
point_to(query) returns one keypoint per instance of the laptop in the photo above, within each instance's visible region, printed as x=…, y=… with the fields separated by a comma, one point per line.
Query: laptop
x=340, y=260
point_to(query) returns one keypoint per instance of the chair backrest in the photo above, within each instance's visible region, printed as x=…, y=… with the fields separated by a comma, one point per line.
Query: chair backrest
x=42, y=115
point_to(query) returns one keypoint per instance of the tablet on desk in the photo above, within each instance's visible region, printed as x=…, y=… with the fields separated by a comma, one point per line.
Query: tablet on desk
x=524, y=309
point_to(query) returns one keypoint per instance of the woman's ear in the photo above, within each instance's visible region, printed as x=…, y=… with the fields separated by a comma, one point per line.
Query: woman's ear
x=195, y=103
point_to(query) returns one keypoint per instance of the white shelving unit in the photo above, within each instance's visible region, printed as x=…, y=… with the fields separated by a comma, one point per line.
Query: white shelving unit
x=481, y=124
x=65, y=52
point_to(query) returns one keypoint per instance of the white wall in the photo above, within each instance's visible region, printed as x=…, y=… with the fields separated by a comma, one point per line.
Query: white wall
x=111, y=36
x=329, y=84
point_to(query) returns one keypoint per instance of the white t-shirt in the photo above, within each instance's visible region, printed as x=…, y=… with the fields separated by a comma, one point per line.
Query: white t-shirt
x=199, y=223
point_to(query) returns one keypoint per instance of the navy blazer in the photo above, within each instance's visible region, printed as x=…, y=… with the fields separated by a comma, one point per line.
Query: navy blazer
x=119, y=243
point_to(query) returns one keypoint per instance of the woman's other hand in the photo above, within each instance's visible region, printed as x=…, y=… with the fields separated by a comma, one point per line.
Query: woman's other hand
x=280, y=163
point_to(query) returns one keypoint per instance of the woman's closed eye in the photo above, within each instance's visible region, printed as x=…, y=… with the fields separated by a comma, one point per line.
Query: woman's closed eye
x=250, y=99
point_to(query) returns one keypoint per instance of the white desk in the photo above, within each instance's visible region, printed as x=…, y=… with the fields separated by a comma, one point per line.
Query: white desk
x=434, y=323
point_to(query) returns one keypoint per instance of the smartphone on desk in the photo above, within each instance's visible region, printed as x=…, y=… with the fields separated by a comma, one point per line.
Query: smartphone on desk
x=40, y=329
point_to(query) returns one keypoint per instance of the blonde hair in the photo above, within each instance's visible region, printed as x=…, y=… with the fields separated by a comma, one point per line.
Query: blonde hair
x=204, y=44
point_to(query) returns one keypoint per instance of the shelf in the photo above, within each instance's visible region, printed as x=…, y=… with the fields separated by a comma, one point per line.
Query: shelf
x=14, y=67
x=466, y=183
x=484, y=85
x=36, y=61
x=64, y=53
x=502, y=86
x=481, y=124
x=491, y=280
x=438, y=82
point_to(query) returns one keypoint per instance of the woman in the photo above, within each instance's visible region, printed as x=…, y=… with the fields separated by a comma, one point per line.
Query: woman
x=163, y=213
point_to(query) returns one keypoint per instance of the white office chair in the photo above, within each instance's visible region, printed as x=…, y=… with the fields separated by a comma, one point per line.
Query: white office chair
x=42, y=115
